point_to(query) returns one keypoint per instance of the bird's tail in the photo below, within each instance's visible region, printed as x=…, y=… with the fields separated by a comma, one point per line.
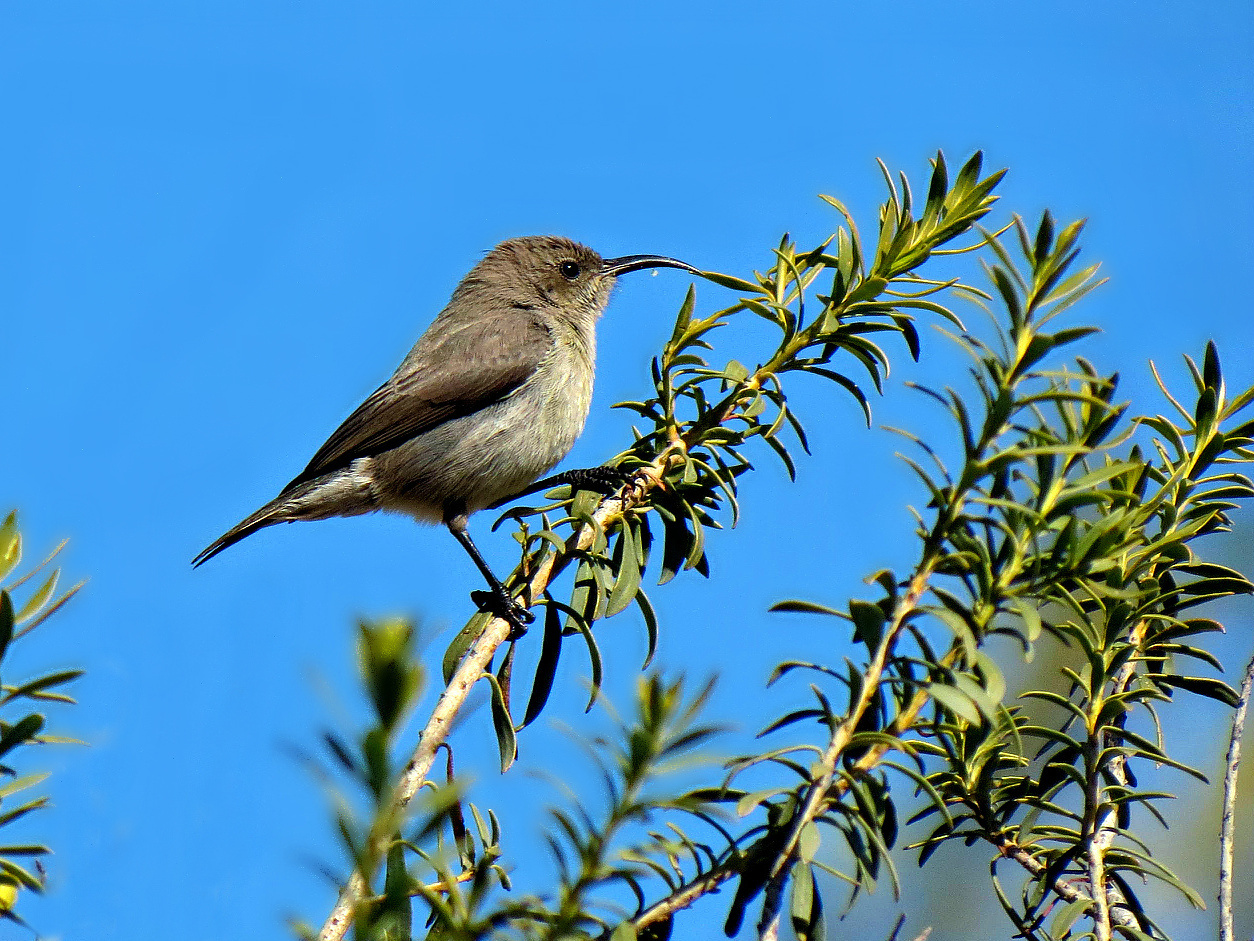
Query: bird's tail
x=268, y=515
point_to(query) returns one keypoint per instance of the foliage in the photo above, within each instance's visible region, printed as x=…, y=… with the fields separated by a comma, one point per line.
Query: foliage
x=685, y=469
x=455, y=868
x=1059, y=515
x=39, y=600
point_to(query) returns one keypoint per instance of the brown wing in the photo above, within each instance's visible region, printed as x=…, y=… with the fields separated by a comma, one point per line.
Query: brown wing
x=463, y=372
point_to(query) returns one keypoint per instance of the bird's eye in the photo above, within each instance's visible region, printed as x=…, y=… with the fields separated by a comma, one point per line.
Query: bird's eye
x=569, y=270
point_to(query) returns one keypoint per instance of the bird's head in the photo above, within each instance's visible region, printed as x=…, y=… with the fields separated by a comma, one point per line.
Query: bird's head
x=558, y=274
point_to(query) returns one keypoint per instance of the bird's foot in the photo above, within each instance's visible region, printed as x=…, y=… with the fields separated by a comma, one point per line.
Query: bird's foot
x=603, y=479
x=500, y=604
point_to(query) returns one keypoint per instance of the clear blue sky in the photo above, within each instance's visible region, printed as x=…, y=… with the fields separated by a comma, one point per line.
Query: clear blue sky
x=222, y=225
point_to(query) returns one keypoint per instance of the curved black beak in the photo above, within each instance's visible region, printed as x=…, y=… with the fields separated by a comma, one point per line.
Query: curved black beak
x=616, y=266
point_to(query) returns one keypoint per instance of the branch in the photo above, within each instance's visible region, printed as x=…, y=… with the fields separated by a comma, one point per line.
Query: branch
x=1108, y=901
x=472, y=667
x=1227, y=832
x=1012, y=850
x=708, y=882
x=844, y=732
x=905, y=243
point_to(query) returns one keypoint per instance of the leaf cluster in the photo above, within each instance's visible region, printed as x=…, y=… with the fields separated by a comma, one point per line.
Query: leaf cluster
x=442, y=852
x=702, y=418
x=1065, y=517
x=21, y=720
x=1051, y=514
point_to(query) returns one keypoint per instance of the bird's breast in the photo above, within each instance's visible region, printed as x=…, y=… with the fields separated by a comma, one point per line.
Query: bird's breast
x=498, y=450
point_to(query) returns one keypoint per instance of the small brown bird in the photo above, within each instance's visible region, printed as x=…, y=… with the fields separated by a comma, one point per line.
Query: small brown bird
x=492, y=395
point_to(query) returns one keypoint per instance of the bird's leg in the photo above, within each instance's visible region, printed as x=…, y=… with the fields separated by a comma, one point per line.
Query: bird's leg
x=604, y=479
x=497, y=600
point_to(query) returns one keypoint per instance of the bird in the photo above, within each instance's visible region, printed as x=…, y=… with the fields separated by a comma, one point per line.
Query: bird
x=491, y=397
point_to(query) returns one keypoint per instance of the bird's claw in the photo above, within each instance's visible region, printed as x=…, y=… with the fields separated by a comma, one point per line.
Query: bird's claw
x=503, y=606
x=603, y=479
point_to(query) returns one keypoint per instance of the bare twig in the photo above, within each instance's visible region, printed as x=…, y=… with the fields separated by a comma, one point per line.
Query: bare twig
x=1227, y=830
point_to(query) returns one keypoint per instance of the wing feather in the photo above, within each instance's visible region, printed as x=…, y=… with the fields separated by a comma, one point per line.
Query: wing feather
x=451, y=373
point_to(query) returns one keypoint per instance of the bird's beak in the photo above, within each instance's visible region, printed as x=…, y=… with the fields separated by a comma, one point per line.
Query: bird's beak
x=613, y=267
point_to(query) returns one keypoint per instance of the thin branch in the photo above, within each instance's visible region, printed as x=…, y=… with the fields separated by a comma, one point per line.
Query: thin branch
x=1098, y=841
x=646, y=478
x=709, y=881
x=818, y=795
x=1011, y=850
x=473, y=665
x=685, y=895
x=1227, y=831
x=1109, y=906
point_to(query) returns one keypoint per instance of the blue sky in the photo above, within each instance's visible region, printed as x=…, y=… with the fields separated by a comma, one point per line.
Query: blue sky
x=222, y=225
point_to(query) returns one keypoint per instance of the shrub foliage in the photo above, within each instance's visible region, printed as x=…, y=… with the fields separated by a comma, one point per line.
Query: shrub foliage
x=1053, y=512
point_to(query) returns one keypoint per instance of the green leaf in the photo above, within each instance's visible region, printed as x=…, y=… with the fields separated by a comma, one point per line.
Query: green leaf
x=732, y=282
x=461, y=643
x=805, y=905
x=585, y=596
x=696, y=552
x=1214, y=689
x=1031, y=617
x=22, y=732
x=650, y=625
x=1044, y=238
x=1211, y=374
x=594, y=659
x=19, y=812
x=677, y=540
x=784, y=456
x=849, y=386
x=956, y=623
x=389, y=668
x=986, y=704
x=7, y=621
x=42, y=683
x=627, y=578
x=684, y=317
x=21, y=784
x=868, y=622
x=1066, y=917
x=506, y=740
x=393, y=919
x=748, y=803
x=10, y=545
x=955, y=701
x=808, y=842
x=546, y=666
x=805, y=607
x=39, y=598
x=1207, y=409
x=25, y=849
x=21, y=876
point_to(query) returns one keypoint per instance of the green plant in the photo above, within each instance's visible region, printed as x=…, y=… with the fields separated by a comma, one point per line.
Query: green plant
x=1060, y=515
x=26, y=602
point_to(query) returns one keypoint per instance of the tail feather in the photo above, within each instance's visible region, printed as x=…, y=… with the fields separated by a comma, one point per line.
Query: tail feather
x=268, y=515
